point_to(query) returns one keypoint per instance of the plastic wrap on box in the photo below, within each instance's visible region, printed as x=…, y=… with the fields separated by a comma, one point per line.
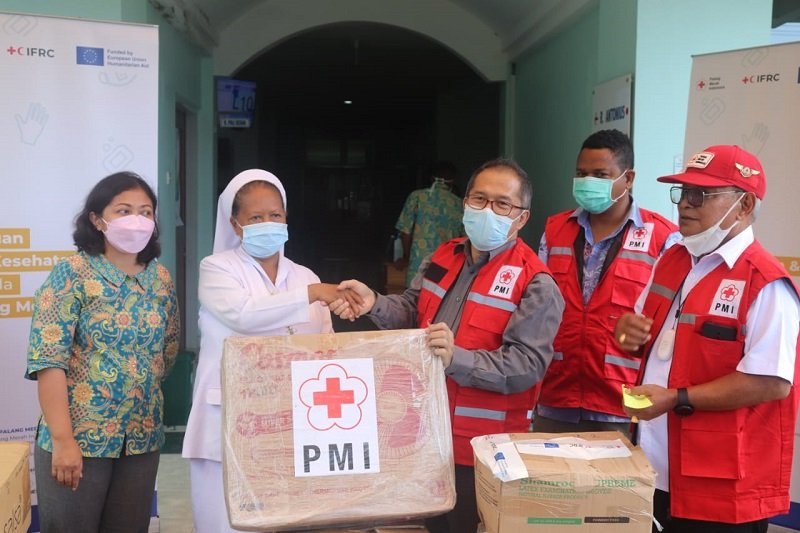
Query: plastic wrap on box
x=334, y=430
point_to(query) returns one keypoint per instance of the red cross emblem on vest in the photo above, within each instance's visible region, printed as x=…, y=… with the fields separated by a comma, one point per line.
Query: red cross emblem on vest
x=507, y=277
x=640, y=233
x=729, y=293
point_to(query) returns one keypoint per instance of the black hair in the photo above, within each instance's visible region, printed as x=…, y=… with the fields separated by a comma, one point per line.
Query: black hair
x=614, y=140
x=244, y=189
x=444, y=170
x=525, y=187
x=88, y=238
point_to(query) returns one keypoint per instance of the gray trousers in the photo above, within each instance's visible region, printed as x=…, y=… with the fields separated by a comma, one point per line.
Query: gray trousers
x=114, y=495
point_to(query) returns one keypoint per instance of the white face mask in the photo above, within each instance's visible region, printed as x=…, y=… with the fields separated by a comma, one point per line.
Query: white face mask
x=708, y=240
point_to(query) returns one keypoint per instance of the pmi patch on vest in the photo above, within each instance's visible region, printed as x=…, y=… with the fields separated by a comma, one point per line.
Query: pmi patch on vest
x=638, y=238
x=727, y=298
x=504, y=281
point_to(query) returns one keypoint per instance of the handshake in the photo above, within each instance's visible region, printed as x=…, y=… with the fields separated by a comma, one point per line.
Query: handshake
x=351, y=299
x=348, y=300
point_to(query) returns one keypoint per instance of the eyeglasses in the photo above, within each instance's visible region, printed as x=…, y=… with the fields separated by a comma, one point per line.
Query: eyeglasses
x=500, y=207
x=696, y=197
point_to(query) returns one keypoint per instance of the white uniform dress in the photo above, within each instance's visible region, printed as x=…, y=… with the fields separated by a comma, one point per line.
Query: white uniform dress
x=236, y=298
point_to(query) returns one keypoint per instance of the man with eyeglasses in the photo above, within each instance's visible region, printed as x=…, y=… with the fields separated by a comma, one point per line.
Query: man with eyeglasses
x=717, y=326
x=491, y=309
x=601, y=255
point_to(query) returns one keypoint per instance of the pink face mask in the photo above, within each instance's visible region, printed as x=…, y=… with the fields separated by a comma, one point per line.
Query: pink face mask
x=129, y=233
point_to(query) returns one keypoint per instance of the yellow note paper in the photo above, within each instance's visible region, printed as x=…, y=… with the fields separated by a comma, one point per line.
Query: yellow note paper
x=634, y=401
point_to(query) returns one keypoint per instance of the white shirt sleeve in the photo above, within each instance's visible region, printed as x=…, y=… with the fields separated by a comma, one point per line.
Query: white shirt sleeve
x=245, y=309
x=773, y=321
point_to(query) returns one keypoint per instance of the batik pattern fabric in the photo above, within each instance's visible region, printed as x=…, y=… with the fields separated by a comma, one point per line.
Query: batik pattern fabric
x=116, y=337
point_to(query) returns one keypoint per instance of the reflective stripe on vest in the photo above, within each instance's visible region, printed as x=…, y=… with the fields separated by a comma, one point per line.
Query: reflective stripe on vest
x=637, y=256
x=687, y=318
x=475, y=412
x=560, y=250
x=497, y=303
x=621, y=361
x=434, y=288
x=662, y=291
x=558, y=356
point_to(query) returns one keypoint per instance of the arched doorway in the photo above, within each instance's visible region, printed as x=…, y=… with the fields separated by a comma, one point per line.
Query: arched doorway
x=348, y=167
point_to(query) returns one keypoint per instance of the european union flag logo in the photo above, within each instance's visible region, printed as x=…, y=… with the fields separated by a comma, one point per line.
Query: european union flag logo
x=87, y=55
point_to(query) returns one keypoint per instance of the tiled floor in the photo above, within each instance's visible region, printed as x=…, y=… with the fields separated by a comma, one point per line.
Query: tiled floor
x=174, y=502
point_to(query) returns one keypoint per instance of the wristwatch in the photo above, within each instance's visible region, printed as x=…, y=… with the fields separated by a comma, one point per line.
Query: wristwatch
x=683, y=408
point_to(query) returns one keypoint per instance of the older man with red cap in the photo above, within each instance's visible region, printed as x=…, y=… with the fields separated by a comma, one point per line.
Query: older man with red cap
x=718, y=326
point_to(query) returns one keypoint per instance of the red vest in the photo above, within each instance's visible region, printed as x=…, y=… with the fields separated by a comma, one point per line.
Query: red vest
x=588, y=367
x=724, y=466
x=492, y=299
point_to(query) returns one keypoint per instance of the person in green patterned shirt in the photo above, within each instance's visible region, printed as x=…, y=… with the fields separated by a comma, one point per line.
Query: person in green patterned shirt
x=104, y=334
x=430, y=217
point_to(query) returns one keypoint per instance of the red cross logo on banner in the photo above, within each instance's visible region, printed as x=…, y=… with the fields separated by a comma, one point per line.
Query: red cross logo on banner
x=729, y=293
x=640, y=233
x=507, y=277
x=333, y=397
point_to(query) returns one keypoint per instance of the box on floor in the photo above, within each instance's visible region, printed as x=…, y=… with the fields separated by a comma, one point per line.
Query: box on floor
x=15, y=487
x=581, y=482
x=389, y=529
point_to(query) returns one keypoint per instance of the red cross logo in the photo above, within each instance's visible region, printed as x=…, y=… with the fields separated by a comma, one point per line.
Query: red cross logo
x=11, y=50
x=701, y=84
x=506, y=277
x=639, y=233
x=745, y=80
x=729, y=293
x=333, y=397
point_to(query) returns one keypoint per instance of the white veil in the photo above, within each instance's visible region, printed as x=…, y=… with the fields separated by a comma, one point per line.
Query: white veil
x=224, y=236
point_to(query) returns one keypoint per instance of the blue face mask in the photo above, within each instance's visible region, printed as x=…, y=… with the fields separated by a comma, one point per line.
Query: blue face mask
x=264, y=239
x=594, y=194
x=486, y=229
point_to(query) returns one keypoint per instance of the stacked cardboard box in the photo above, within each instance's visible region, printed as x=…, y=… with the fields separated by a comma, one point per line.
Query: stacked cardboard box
x=581, y=482
x=334, y=430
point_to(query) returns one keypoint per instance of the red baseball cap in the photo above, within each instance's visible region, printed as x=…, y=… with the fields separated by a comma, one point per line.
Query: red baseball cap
x=724, y=165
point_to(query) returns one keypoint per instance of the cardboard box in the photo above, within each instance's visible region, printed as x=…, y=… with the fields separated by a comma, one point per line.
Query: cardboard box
x=15, y=487
x=388, y=529
x=596, y=484
x=337, y=430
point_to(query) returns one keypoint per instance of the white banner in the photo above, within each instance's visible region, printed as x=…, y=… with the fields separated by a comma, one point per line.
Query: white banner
x=78, y=101
x=752, y=98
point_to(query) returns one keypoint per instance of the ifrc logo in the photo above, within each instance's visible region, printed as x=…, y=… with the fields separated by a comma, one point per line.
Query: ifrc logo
x=334, y=412
x=30, y=51
x=762, y=78
x=727, y=298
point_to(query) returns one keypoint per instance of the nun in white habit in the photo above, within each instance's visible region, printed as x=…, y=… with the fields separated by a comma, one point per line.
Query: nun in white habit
x=247, y=287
